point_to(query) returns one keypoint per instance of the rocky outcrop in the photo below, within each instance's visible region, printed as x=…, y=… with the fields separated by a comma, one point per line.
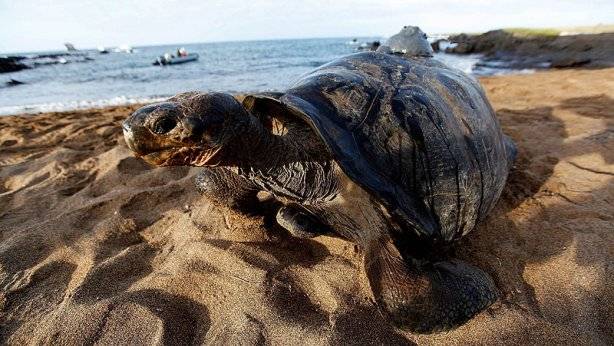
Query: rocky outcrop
x=492, y=41
x=12, y=64
x=436, y=45
x=591, y=50
x=17, y=63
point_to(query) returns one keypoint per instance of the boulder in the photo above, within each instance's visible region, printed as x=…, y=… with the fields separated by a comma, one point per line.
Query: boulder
x=411, y=41
x=567, y=62
x=11, y=64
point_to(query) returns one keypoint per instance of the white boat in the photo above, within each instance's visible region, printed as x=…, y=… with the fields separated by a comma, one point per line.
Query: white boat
x=124, y=48
x=173, y=60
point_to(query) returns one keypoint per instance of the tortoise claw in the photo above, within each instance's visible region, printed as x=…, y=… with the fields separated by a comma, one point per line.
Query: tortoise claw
x=299, y=222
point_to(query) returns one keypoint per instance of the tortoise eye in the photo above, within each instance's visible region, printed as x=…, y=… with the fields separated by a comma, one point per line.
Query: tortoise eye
x=164, y=125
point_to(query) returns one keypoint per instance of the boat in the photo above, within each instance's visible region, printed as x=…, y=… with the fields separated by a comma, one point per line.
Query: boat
x=168, y=59
x=124, y=48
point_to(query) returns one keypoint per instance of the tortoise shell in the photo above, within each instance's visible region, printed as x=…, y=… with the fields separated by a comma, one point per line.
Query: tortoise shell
x=419, y=136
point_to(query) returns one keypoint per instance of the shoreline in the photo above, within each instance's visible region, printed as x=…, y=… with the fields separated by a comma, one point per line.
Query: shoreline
x=95, y=245
x=124, y=101
x=72, y=106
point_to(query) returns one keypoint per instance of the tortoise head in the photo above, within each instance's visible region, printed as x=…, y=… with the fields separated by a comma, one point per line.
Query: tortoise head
x=188, y=129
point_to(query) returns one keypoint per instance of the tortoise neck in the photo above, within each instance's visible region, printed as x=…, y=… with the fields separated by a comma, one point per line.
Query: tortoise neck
x=254, y=146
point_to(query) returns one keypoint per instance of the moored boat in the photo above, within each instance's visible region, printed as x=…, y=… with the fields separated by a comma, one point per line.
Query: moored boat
x=168, y=59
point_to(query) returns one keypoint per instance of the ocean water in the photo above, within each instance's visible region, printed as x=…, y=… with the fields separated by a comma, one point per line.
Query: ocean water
x=122, y=78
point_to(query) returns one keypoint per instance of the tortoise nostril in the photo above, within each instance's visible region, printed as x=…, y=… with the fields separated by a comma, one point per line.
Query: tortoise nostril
x=164, y=125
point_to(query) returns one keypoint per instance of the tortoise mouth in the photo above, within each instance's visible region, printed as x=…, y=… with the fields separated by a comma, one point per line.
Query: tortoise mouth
x=182, y=156
x=163, y=151
x=157, y=158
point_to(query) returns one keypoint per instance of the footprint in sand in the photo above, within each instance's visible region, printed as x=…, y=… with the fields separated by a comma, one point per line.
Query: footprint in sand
x=364, y=325
x=75, y=181
x=8, y=143
x=146, y=207
x=290, y=301
x=238, y=330
x=116, y=274
x=141, y=317
x=123, y=258
x=41, y=294
x=132, y=166
x=184, y=321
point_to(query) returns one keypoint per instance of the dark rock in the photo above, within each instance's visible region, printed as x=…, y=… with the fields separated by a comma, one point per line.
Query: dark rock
x=436, y=45
x=50, y=56
x=11, y=64
x=461, y=48
x=410, y=41
x=568, y=62
x=14, y=82
x=372, y=46
x=485, y=43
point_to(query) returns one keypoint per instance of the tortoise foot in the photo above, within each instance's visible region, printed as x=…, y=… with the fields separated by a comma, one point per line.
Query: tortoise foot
x=432, y=297
x=299, y=222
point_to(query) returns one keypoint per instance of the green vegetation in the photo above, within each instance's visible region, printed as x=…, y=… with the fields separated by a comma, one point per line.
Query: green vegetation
x=595, y=29
x=525, y=32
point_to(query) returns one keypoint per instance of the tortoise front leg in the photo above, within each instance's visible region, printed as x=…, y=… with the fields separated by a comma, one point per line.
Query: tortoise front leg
x=226, y=188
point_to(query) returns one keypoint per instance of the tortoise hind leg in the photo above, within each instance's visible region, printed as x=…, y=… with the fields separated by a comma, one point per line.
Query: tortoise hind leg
x=226, y=188
x=426, y=298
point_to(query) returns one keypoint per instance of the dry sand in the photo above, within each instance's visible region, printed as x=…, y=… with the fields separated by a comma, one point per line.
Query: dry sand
x=96, y=247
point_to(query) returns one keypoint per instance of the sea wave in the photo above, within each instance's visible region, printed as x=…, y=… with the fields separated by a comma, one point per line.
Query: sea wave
x=77, y=105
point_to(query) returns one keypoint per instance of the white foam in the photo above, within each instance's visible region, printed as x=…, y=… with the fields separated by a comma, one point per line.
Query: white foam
x=76, y=105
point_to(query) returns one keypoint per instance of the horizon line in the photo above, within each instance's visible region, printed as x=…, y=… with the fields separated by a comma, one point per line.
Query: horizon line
x=187, y=43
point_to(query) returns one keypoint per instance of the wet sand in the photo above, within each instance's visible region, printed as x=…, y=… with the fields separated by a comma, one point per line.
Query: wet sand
x=97, y=247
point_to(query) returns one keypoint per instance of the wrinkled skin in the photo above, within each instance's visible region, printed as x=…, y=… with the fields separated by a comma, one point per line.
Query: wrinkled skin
x=366, y=147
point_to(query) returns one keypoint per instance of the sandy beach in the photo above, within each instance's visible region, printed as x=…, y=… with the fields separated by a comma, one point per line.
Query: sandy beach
x=98, y=247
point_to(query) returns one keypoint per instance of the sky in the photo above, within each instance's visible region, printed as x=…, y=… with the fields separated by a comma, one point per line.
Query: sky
x=38, y=25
